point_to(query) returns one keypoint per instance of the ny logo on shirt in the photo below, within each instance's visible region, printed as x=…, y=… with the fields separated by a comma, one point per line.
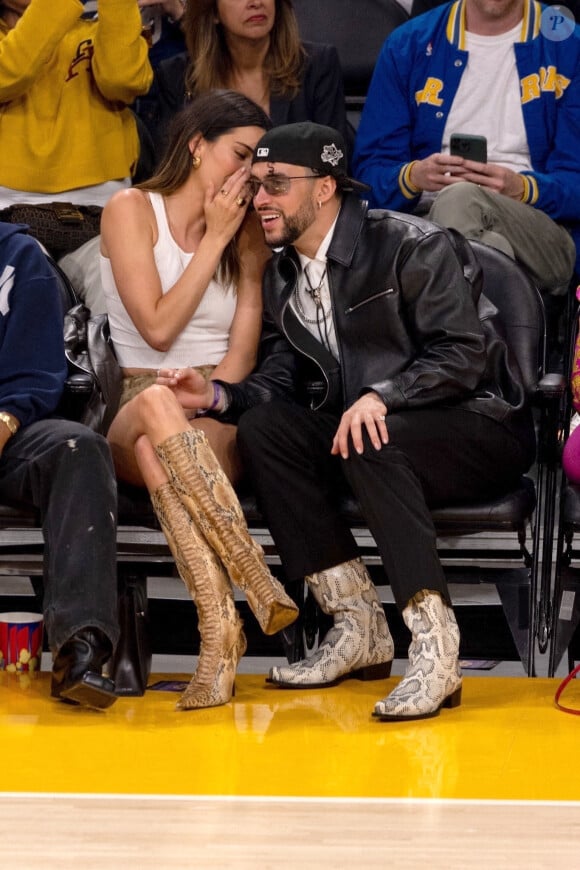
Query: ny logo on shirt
x=6, y=285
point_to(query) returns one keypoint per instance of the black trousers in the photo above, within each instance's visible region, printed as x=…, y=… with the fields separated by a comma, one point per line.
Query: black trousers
x=434, y=457
x=65, y=471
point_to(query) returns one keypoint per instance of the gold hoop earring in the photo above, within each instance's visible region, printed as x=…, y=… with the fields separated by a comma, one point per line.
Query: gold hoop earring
x=196, y=161
x=319, y=204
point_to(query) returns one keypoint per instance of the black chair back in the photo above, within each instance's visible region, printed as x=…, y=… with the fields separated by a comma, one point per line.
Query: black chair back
x=357, y=29
x=68, y=296
x=521, y=311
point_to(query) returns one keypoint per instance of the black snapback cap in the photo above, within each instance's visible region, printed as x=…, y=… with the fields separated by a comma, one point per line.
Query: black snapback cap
x=308, y=144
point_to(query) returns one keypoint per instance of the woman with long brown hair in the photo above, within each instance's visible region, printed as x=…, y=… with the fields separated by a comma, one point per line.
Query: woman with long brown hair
x=182, y=264
x=254, y=48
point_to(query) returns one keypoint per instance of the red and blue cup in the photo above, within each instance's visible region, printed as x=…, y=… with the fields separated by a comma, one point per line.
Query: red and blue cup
x=20, y=642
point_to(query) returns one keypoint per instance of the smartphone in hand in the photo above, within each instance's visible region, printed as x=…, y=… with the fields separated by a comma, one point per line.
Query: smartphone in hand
x=469, y=147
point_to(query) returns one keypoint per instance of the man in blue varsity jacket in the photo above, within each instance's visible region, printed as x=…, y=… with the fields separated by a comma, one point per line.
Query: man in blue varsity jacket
x=61, y=468
x=508, y=70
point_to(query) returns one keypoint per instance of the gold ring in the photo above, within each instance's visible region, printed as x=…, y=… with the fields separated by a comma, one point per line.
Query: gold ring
x=240, y=201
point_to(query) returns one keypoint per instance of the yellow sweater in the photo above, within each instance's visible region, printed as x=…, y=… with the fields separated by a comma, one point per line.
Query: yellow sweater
x=65, y=84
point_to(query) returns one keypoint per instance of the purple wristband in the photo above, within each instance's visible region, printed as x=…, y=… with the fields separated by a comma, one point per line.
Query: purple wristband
x=217, y=394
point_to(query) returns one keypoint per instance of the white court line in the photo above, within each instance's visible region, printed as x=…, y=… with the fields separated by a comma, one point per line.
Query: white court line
x=281, y=799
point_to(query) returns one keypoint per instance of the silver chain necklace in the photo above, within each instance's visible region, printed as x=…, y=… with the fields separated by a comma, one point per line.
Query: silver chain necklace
x=315, y=293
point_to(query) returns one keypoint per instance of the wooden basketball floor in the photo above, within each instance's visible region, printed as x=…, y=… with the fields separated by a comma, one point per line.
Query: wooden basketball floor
x=290, y=779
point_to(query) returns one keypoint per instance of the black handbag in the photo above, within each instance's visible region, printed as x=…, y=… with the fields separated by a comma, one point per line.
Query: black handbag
x=130, y=664
x=95, y=379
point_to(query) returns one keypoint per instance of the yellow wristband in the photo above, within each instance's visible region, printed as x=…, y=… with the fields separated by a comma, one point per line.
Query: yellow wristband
x=412, y=187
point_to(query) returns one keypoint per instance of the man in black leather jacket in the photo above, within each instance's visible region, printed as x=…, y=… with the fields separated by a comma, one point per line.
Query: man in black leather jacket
x=375, y=377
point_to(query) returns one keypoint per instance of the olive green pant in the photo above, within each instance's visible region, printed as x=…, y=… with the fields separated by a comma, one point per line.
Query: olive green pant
x=523, y=232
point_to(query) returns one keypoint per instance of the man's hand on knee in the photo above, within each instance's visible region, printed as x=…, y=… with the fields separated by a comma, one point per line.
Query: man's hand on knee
x=368, y=413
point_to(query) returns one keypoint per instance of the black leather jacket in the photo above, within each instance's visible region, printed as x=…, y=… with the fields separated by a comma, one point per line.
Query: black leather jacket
x=406, y=324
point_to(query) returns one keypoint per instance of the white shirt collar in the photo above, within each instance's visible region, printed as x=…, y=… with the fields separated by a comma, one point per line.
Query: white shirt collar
x=322, y=250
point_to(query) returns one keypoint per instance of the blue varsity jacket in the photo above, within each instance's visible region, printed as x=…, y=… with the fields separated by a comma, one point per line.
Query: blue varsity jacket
x=414, y=84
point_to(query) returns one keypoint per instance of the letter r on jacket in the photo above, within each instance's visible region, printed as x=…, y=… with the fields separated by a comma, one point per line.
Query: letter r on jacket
x=530, y=88
x=430, y=93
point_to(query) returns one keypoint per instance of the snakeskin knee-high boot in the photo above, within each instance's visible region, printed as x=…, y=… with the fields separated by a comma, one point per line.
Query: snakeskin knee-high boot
x=433, y=678
x=222, y=639
x=358, y=645
x=211, y=501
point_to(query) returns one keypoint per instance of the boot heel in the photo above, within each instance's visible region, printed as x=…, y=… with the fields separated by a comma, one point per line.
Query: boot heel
x=453, y=700
x=381, y=671
x=91, y=690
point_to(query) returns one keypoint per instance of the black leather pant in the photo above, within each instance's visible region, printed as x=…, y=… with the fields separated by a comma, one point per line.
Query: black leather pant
x=434, y=457
x=65, y=471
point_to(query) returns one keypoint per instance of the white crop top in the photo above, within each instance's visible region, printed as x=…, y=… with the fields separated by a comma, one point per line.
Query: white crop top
x=204, y=341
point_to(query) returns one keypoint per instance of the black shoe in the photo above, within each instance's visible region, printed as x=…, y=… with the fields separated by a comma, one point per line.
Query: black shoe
x=77, y=671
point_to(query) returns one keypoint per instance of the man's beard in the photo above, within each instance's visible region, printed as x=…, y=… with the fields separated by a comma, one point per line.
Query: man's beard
x=294, y=226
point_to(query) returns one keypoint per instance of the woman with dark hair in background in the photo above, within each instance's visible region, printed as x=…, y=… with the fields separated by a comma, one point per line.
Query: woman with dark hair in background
x=182, y=265
x=254, y=48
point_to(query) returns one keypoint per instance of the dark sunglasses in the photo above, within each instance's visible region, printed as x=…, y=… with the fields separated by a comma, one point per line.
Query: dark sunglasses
x=274, y=185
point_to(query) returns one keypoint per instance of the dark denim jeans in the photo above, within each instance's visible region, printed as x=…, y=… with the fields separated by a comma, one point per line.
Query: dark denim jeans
x=65, y=470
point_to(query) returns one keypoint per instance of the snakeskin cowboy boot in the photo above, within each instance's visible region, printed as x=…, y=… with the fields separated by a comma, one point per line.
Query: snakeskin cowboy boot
x=223, y=642
x=211, y=501
x=433, y=678
x=358, y=645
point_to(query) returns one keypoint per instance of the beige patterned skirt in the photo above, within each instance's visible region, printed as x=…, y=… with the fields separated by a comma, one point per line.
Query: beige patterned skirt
x=135, y=384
